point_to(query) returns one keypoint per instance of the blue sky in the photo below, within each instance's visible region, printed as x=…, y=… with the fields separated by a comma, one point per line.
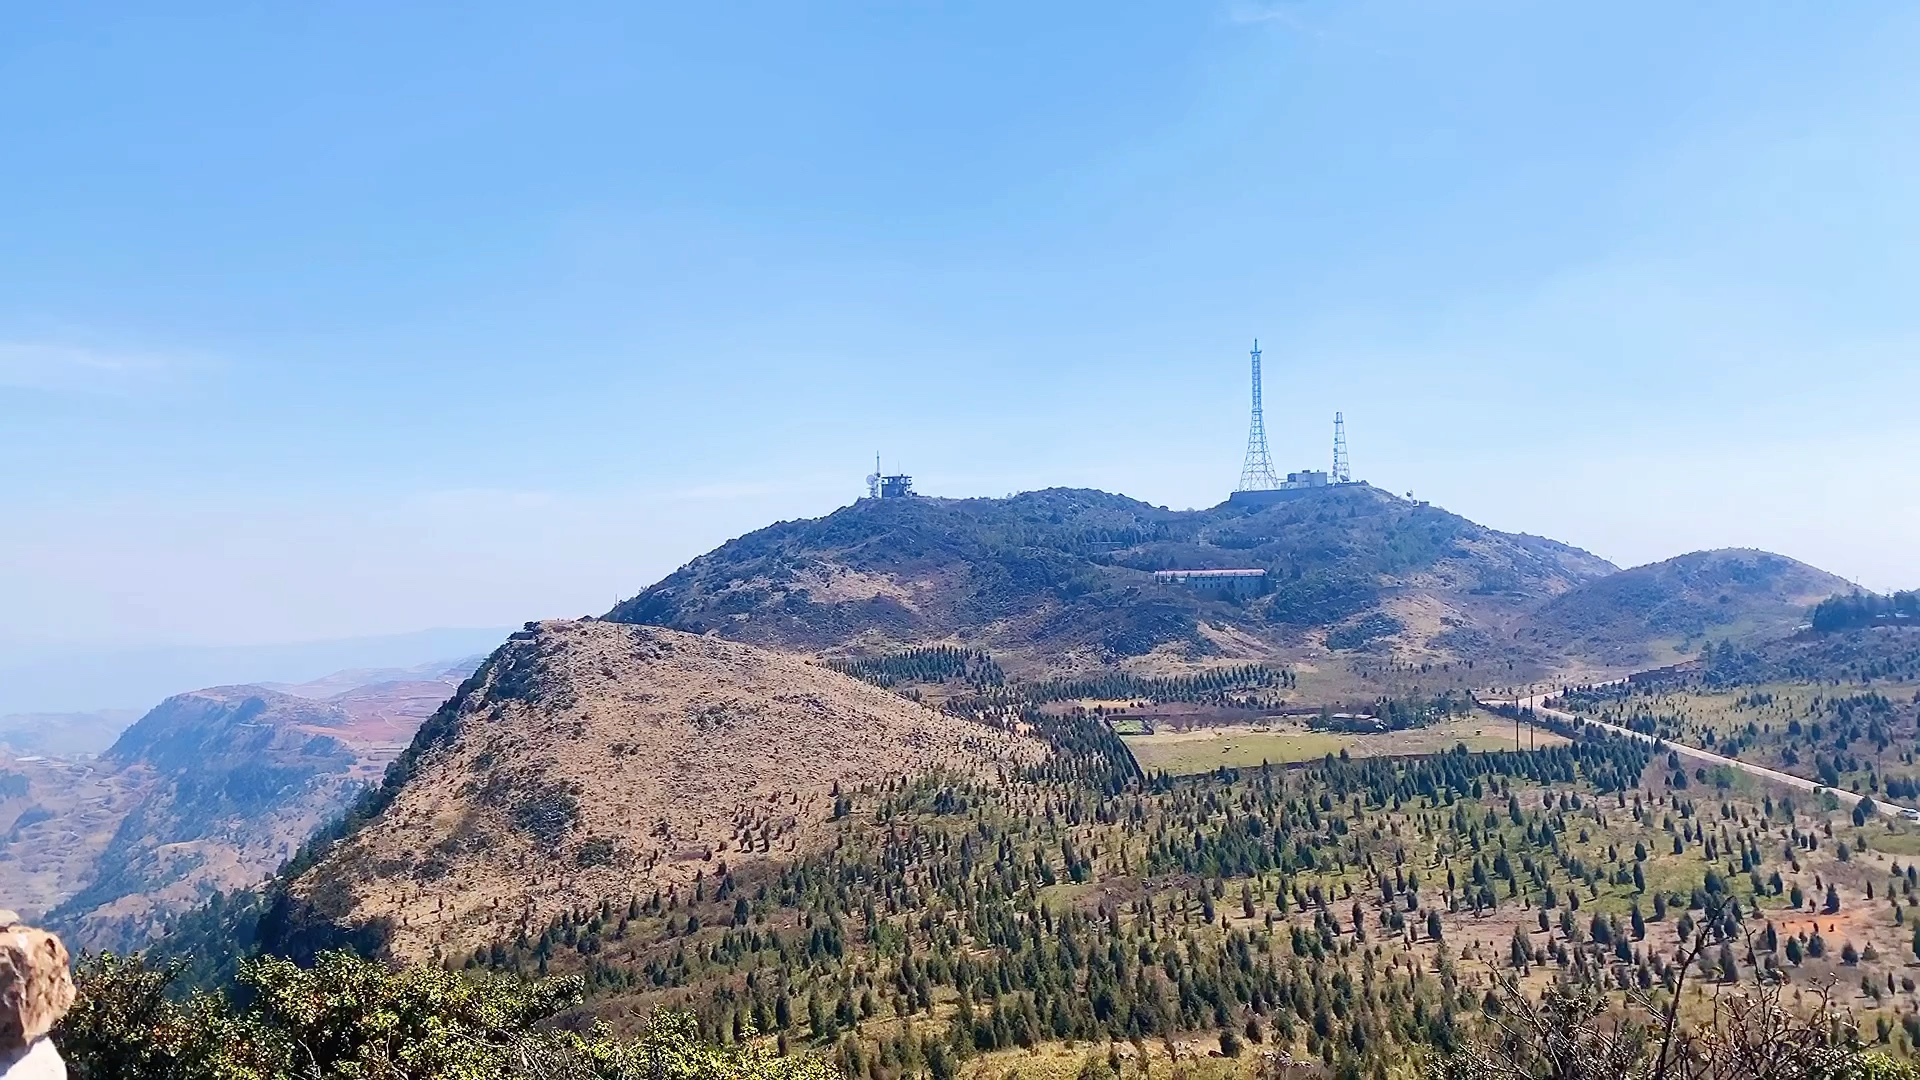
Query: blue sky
x=324, y=323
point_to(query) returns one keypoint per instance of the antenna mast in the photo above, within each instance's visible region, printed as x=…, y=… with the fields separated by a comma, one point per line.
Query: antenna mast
x=1342, y=468
x=1257, y=473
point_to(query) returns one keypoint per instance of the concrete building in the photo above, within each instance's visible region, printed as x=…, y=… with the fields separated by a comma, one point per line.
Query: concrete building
x=1223, y=582
x=1297, y=484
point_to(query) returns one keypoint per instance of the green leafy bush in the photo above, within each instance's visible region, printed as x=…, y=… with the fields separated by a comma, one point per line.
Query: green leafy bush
x=351, y=1018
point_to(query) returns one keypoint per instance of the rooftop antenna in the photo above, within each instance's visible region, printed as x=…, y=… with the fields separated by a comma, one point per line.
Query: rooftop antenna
x=873, y=482
x=1342, y=472
x=1257, y=473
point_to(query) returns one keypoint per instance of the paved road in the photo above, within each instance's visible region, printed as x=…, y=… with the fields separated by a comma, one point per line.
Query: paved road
x=1847, y=798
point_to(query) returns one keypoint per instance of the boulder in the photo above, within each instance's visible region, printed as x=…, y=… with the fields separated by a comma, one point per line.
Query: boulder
x=36, y=989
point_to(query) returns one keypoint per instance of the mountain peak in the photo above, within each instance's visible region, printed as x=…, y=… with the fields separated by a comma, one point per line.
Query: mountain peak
x=592, y=759
x=1066, y=577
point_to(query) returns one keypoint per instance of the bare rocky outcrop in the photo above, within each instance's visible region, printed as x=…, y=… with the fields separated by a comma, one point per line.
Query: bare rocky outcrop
x=36, y=989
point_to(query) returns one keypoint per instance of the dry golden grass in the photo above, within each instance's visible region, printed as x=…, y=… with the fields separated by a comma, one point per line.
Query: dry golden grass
x=680, y=755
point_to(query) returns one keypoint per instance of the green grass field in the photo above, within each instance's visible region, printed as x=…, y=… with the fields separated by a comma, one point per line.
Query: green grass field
x=1185, y=753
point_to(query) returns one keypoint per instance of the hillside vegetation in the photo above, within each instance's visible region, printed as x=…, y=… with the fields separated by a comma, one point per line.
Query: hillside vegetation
x=589, y=759
x=918, y=894
x=346, y=1017
x=927, y=851
x=949, y=896
x=1858, y=609
x=1840, y=708
x=1063, y=579
x=1669, y=611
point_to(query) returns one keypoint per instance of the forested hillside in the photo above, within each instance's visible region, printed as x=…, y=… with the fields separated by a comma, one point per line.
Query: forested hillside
x=1840, y=707
x=1062, y=579
x=1857, y=609
x=1358, y=915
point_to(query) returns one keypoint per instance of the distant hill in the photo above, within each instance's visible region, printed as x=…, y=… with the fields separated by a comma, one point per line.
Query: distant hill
x=435, y=673
x=64, y=734
x=82, y=678
x=233, y=777
x=1669, y=611
x=591, y=760
x=1063, y=579
x=1887, y=653
x=210, y=789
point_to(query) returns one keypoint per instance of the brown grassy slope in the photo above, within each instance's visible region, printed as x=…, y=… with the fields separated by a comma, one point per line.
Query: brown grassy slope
x=595, y=759
x=1668, y=611
x=229, y=780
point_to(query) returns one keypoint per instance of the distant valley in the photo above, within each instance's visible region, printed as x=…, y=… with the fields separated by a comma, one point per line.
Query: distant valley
x=210, y=789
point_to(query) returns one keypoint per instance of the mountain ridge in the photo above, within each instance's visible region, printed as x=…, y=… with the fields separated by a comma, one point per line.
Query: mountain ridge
x=1062, y=579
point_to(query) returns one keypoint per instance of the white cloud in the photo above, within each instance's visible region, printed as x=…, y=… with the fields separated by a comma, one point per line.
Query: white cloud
x=1247, y=14
x=41, y=365
x=1294, y=18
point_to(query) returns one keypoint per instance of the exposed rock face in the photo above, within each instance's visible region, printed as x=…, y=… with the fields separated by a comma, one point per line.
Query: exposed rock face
x=36, y=989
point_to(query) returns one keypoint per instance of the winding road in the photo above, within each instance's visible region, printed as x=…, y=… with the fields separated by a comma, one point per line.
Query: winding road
x=1537, y=703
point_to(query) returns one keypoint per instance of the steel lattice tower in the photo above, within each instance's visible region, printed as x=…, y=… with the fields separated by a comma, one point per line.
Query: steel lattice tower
x=1257, y=473
x=1342, y=470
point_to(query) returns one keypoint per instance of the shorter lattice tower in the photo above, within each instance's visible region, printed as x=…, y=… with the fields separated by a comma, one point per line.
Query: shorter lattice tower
x=1257, y=473
x=1342, y=470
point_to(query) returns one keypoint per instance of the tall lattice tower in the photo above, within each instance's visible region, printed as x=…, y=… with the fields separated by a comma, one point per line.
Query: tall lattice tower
x=1257, y=473
x=1342, y=469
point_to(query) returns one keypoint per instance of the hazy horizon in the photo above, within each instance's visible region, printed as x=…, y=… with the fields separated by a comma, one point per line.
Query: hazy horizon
x=78, y=677
x=330, y=324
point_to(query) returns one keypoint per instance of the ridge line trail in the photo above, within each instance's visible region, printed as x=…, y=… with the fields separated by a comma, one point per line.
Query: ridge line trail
x=1537, y=703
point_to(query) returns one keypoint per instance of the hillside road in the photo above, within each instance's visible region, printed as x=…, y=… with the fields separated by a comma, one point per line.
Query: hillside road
x=1537, y=703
